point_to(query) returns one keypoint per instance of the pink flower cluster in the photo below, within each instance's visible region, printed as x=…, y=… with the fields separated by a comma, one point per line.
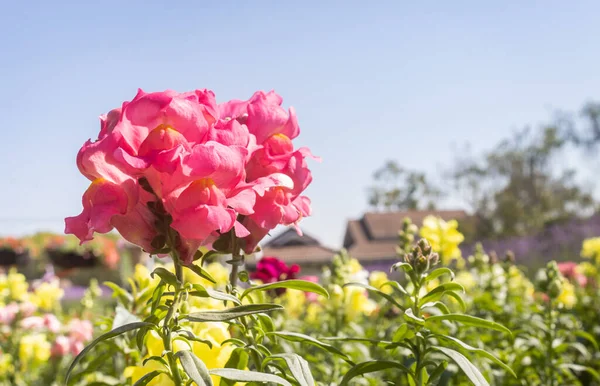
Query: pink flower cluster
x=9, y=312
x=569, y=270
x=79, y=333
x=209, y=168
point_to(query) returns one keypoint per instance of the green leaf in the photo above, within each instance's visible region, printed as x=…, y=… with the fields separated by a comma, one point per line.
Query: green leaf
x=301, y=285
x=120, y=293
x=297, y=337
x=458, y=299
x=465, y=365
x=298, y=367
x=439, y=291
x=237, y=360
x=266, y=322
x=579, y=368
x=437, y=373
x=231, y=313
x=220, y=295
x=395, y=285
x=157, y=296
x=248, y=376
x=439, y=305
x=587, y=336
x=376, y=291
x=194, y=368
x=404, y=266
x=156, y=358
x=376, y=342
x=371, y=367
x=202, y=292
x=469, y=321
x=410, y=316
x=439, y=272
x=400, y=333
x=166, y=276
x=476, y=351
x=198, y=270
x=109, y=335
x=148, y=377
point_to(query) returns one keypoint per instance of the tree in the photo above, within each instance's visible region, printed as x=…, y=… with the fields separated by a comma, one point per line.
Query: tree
x=516, y=188
x=397, y=188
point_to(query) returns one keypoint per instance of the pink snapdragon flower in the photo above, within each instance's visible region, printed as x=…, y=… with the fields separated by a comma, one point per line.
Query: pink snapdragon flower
x=569, y=270
x=8, y=313
x=311, y=296
x=80, y=330
x=179, y=161
x=271, y=269
x=48, y=322
x=61, y=346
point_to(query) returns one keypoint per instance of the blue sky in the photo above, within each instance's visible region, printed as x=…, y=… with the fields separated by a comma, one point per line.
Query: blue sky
x=370, y=82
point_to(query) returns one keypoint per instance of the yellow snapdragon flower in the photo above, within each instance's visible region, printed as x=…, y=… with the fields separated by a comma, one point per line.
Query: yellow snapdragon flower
x=466, y=279
x=294, y=302
x=444, y=238
x=215, y=357
x=379, y=278
x=34, y=349
x=354, y=266
x=567, y=297
x=48, y=295
x=13, y=286
x=591, y=249
x=6, y=365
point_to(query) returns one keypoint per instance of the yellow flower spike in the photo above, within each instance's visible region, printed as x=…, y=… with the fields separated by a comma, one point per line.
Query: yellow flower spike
x=567, y=297
x=354, y=266
x=16, y=285
x=379, y=278
x=444, y=238
x=34, y=350
x=47, y=295
x=466, y=279
x=591, y=249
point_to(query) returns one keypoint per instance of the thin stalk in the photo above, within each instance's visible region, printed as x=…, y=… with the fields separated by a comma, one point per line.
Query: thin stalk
x=167, y=341
x=550, y=350
x=236, y=259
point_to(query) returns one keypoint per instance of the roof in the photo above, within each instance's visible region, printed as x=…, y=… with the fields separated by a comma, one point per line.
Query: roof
x=290, y=237
x=301, y=254
x=375, y=235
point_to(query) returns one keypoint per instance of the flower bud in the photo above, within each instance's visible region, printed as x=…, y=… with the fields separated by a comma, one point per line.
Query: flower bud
x=421, y=264
x=509, y=257
x=555, y=288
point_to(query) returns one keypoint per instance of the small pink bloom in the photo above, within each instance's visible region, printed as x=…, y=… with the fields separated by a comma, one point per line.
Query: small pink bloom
x=61, y=346
x=8, y=313
x=52, y=323
x=569, y=270
x=76, y=347
x=33, y=323
x=311, y=296
x=80, y=330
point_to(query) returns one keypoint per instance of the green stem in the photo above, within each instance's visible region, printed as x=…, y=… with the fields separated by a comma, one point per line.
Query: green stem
x=550, y=338
x=236, y=260
x=167, y=329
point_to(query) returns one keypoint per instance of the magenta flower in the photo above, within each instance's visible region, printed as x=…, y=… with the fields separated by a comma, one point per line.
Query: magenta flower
x=271, y=269
x=178, y=161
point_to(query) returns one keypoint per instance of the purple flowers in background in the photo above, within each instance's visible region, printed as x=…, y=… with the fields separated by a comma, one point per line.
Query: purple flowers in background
x=76, y=292
x=559, y=242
